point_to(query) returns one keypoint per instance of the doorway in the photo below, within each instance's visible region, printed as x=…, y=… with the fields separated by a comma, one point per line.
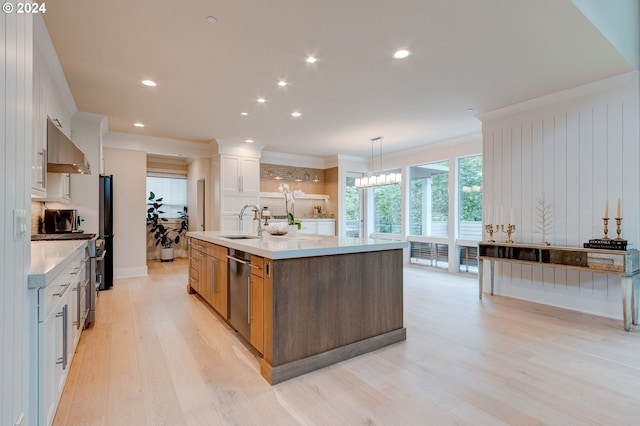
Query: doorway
x=200, y=205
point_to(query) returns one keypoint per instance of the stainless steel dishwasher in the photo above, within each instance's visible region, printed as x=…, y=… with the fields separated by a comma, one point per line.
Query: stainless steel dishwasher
x=239, y=284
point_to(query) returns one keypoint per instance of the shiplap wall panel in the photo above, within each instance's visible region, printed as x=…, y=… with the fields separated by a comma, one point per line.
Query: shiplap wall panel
x=15, y=143
x=573, y=197
x=577, y=153
x=6, y=333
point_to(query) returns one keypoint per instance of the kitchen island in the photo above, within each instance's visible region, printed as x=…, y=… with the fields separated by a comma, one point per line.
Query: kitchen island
x=313, y=300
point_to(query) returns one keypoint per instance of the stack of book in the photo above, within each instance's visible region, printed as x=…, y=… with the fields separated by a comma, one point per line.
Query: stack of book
x=606, y=244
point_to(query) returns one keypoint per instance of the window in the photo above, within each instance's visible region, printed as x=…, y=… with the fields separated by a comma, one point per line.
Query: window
x=470, y=193
x=353, y=207
x=429, y=199
x=173, y=191
x=387, y=208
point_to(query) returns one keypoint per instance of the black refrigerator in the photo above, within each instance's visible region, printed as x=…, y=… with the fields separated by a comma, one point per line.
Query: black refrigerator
x=106, y=228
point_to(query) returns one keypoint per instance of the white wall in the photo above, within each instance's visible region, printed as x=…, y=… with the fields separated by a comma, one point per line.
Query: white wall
x=200, y=168
x=86, y=134
x=128, y=168
x=15, y=188
x=579, y=148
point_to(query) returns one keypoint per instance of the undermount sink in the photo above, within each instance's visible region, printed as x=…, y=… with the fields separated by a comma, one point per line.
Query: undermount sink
x=238, y=237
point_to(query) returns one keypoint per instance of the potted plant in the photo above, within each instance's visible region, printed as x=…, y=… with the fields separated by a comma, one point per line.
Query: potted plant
x=164, y=235
x=289, y=198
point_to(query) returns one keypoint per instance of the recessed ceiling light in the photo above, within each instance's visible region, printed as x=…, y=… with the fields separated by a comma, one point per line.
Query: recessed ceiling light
x=244, y=113
x=311, y=60
x=470, y=109
x=401, y=54
x=249, y=141
x=261, y=100
x=282, y=83
x=296, y=114
x=149, y=83
x=138, y=124
x=211, y=19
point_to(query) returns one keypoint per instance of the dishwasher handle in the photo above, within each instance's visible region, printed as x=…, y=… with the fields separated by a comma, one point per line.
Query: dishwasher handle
x=242, y=261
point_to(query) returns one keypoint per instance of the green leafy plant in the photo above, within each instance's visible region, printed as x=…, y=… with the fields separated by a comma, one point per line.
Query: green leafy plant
x=163, y=234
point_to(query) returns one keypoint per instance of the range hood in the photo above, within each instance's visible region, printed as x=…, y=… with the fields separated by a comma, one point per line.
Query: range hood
x=62, y=155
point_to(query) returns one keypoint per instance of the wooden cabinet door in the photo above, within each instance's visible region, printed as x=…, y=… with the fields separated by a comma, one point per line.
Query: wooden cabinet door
x=256, y=314
x=220, y=295
x=256, y=323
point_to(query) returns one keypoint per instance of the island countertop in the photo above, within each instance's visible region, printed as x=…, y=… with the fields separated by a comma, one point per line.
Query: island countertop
x=287, y=247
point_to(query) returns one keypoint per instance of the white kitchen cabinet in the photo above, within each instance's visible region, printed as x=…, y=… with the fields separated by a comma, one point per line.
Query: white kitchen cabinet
x=47, y=103
x=327, y=227
x=58, y=188
x=240, y=185
x=53, y=340
x=55, y=334
x=39, y=141
x=308, y=227
x=318, y=226
x=240, y=174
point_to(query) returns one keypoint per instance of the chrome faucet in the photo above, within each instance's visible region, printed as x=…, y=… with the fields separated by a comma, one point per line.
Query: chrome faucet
x=258, y=212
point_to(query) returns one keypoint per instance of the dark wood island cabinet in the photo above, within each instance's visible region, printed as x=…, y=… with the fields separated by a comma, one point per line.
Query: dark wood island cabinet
x=318, y=301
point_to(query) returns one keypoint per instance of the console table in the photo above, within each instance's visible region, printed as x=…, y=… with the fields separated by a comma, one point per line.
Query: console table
x=625, y=264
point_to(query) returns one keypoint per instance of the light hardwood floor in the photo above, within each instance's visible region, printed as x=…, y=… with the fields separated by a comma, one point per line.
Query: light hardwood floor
x=158, y=356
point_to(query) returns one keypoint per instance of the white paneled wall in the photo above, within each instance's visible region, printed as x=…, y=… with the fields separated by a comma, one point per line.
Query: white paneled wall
x=577, y=149
x=15, y=184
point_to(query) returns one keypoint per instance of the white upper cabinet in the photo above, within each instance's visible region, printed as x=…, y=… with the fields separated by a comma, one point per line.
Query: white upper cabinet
x=39, y=142
x=240, y=174
x=58, y=188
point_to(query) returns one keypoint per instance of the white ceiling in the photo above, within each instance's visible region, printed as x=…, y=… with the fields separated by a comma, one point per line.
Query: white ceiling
x=480, y=54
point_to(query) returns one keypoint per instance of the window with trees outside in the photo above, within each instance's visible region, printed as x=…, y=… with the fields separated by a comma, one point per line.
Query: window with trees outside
x=470, y=193
x=173, y=191
x=387, y=208
x=352, y=208
x=429, y=199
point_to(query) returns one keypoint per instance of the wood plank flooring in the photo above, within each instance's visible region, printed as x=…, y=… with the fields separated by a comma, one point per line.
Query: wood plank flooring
x=158, y=356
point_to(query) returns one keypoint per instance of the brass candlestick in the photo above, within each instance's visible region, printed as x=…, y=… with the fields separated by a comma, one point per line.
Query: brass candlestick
x=606, y=227
x=618, y=228
x=510, y=230
x=490, y=231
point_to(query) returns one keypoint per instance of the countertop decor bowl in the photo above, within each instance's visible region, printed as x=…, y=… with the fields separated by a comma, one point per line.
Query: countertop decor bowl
x=277, y=228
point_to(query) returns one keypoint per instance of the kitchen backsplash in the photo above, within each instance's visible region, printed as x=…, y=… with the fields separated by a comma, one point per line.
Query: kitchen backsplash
x=302, y=207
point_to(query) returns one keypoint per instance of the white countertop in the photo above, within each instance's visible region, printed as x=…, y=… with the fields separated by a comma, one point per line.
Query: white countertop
x=286, y=247
x=49, y=258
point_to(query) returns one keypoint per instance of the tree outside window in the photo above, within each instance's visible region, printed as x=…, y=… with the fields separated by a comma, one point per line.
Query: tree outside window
x=387, y=213
x=470, y=193
x=429, y=199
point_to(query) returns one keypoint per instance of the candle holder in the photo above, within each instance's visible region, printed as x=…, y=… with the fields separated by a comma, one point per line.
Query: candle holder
x=618, y=228
x=510, y=230
x=490, y=231
x=606, y=228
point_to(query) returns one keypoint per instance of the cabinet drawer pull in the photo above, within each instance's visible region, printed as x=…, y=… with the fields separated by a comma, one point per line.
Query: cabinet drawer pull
x=61, y=292
x=64, y=314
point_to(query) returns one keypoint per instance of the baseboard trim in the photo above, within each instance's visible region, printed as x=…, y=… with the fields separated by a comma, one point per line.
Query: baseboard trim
x=297, y=368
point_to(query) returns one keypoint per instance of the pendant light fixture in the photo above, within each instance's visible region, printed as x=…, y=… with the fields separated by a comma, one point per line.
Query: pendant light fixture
x=378, y=178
